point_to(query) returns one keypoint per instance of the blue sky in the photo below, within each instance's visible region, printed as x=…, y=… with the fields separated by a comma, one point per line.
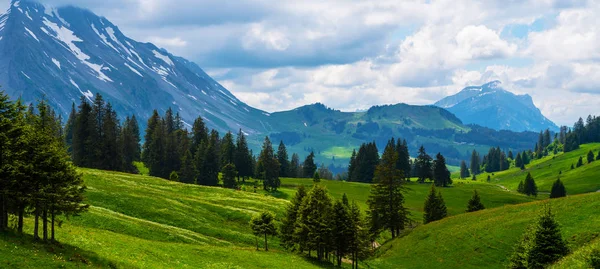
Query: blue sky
x=350, y=55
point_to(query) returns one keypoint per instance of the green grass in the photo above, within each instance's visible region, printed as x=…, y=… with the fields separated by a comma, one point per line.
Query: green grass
x=144, y=222
x=485, y=239
x=578, y=258
x=546, y=170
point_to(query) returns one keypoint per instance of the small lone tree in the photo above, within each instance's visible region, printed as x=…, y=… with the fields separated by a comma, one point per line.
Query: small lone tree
x=464, y=171
x=475, y=203
x=489, y=178
x=174, y=176
x=435, y=207
x=529, y=186
x=229, y=173
x=263, y=224
x=590, y=157
x=598, y=156
x=558, y=189
x=521, y=187
x=580, y=162
x=316, y=177
x=542, y=244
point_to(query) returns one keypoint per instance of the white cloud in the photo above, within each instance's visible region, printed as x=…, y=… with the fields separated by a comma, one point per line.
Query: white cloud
x=168, y=42
x=575, y=37
x=480, y=42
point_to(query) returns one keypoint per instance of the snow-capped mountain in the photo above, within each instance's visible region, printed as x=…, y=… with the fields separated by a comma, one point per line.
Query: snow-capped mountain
x=62, y=54
x=492, y=106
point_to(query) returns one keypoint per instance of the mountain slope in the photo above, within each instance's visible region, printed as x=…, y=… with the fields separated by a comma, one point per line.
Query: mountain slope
x=144, y=222
x=491, y=106
x=62, y=54
x=485, y=239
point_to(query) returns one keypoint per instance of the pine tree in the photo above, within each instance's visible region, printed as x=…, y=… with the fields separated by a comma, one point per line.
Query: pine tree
x=227, y=149
x=295, y=166
x=313, y=230
x=590, y=156
x=69, y=128
x=229, y=174
x=423, y=165
x=268, y=167
x=12, y=132
x=342, y=230
x=518, y=161
x=111, y=151
x=187, y=173
x=208, y=171
x=282, y=158
x=598, y=156
x=263, y=225
x=475, y=203
x=130, y=137
x=386, y=202
x=475, y=165
x=435, y=207
x=316, y=177
x=521, y=187
x=155, y=151
x=464, y=171
x=542, y=244
x=309, y=167
x=288, y=224
x=243, y=157
x=82, y=135
x=359, y=242
x=558, y=189
x=352, y=167
x=404, y=163
x=441, y=175
x=153, y=122
x=199, y=135
x=529, y=186
x=580, y=162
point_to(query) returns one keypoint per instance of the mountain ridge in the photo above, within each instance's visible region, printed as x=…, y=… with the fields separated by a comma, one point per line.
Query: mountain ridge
x=492, y=106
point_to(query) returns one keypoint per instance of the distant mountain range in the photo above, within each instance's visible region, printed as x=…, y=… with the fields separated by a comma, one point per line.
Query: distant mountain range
x=66, y=53
x=492, y=106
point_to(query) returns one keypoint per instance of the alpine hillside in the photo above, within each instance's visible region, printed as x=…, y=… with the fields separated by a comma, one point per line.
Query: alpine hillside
x=64, y=53
x=492, y=106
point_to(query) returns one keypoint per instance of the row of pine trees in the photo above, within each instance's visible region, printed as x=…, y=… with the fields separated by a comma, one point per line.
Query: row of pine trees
x=36, y=175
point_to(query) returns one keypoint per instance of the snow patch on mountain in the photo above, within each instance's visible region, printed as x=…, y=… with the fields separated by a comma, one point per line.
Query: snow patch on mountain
x=164, y=58
x=32, y=34
x=56, y=62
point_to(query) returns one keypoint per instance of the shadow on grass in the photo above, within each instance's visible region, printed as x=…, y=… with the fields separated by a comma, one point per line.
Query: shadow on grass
x=57, y=251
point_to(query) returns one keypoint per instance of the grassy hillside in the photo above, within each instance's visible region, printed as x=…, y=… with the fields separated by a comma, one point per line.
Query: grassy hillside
x=456, y=197
x=144, y=222
x=485, y=239
x=546, y=170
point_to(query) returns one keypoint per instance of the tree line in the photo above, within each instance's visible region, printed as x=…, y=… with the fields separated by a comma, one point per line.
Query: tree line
x=37, y=176
x=363, y=164
x=96, y=138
